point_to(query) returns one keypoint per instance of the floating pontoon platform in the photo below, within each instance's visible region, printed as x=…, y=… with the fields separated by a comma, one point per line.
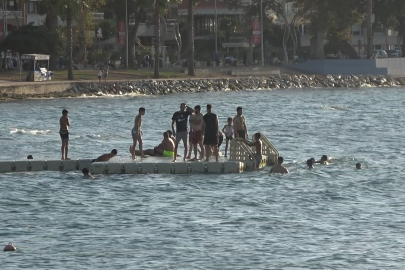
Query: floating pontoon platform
x=242, y=158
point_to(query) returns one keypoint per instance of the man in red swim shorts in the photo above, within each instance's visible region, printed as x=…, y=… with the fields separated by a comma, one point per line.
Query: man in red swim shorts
x=196, y=122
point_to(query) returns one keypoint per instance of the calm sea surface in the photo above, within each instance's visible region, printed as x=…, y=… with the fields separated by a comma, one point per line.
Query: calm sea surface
x=332, y=217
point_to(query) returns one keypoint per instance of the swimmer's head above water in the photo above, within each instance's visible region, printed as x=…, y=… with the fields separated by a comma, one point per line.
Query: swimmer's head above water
x=358, y=166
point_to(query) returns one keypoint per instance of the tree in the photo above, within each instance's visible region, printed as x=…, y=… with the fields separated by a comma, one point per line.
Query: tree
x=391, y=13
x=325, y=15
x=137, y=12
x=29, y=39
x=190, y=31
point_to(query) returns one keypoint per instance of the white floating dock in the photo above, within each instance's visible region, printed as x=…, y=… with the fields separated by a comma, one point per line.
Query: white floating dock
x=242, y=158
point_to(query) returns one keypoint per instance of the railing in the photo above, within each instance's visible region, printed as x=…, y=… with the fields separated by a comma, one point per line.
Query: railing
x=268, y=149
x=241, y=152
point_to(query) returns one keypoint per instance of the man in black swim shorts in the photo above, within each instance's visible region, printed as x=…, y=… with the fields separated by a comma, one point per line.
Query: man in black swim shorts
x=211, y=132
x=64, y=133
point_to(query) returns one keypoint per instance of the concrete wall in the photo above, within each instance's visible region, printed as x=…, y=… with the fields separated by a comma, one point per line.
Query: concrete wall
x=35, y=88
x=387, y=66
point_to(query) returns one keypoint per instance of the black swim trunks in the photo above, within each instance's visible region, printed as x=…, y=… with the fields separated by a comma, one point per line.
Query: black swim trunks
x=64, y=135
x=210, y=140
x=242, y=134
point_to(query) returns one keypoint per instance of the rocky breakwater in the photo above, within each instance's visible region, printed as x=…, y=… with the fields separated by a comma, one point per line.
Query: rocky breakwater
x=171, y=86
x=165, y=87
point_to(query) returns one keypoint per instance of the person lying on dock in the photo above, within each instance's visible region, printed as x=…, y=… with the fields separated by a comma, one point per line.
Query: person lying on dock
x=86, y=174
x=164, y=149
x=323, y=161
x=279, y=168
x=105, y=157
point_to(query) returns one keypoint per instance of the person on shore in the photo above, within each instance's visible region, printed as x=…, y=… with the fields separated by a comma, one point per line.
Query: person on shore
x=258, y=146
x=164, y=149
x=181, y=134
x=30, y=157
x=217, y=59
x=239, y=124
x=100, y=73
x=211, y=133
x=106, y=157
x=310, y=163
x=196, y=125
x=105, y=74
x=64, y=133
x=86, y=174
x=137, y=133
x=279, y=168
x=323, y=160
x=228, y=130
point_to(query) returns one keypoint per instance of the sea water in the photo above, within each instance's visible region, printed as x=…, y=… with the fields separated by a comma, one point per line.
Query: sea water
x=331, y=217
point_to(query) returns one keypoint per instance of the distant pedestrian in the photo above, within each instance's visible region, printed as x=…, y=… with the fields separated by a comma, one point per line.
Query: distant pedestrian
x=105, y=74
x=100, y=73
x=217, y=59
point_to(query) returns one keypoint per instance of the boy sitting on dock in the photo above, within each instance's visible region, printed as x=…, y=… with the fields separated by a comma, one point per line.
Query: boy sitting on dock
x=258, y=145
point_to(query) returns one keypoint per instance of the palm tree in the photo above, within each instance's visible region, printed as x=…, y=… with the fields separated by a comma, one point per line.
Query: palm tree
x=190, y=26
x=157, y=38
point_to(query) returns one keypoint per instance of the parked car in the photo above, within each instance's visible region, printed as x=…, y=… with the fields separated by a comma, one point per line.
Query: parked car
x=380, y=53
x=393, y=53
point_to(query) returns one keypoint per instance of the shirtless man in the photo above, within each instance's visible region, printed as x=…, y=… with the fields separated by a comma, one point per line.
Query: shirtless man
x=279, y=168
x=180, y=118
x=239, y=124
x=137, y=134
x=196, y=123
x=64, y=133
x=258, y=146
x=165, y=148
x=106, y=157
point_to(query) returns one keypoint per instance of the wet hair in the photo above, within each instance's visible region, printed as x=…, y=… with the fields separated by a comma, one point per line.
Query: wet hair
x=85, y=171
x=64, y=111
x=169, y=132
x=114, y=151
x=198, y=107
x=239, y=108
x=165, y=135
x=258, y=135
x=230, y=118
x=280, y=160
x=324, y=158
x=30, y=157
x=209, y=106
x=142, y=109
x=310, y=162
x=358, y=165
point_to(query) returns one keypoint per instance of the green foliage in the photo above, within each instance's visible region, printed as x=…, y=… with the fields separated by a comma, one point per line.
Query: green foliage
x=108, y=27
x=31, y=39
x=141, y=52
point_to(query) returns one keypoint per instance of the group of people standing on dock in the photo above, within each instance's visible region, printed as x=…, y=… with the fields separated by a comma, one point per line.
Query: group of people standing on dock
x=203, y=135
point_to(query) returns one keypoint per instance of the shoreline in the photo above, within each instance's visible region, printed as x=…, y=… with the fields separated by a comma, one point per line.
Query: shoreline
x=41, y=90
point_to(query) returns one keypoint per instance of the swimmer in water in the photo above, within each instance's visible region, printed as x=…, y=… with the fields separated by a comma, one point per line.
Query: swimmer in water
x=358, y=166
x=310, y=163
x=323, y=161
x=86, y=174
x=30, y=157
x=279, y=168
x=106, y=157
